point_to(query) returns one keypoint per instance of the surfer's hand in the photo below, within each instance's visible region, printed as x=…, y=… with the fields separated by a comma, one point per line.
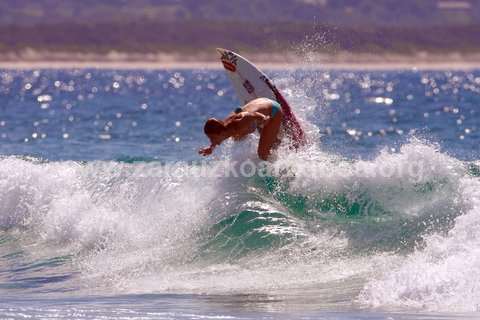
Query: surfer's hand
x=260, y=117
x=206, y=151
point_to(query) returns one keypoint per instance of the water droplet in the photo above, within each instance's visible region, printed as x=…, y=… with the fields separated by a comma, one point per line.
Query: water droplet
x=44, y=98
x=105, y=136
x=352, y=132
x=333, y=96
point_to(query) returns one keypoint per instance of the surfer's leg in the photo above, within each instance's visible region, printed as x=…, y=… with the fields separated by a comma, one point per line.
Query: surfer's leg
x=269, y=136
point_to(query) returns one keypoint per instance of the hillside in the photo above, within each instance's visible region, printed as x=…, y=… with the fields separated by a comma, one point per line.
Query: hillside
x=406, y=13
x=194, y=26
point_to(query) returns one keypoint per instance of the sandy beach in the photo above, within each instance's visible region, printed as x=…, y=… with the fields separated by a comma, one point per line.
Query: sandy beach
x=21, y=65
x=290, y=60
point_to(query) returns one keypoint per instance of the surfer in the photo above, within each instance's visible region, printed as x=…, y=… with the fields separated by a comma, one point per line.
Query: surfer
x=260, y=114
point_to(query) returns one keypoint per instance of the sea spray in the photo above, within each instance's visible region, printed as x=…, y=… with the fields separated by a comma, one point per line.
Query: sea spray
x=443, y=273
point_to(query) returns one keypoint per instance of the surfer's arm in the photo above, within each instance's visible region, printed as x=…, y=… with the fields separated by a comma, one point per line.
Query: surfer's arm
x=258, y=117
x=252, y=115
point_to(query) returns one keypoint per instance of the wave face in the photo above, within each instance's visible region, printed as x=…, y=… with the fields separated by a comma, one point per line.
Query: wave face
x=398, y=230
x=103, y=193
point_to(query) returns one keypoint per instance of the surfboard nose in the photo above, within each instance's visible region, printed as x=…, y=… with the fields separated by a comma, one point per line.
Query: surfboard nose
x=221, y=51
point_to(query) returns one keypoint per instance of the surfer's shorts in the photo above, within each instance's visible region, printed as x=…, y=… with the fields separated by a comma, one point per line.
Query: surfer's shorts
x=275, y=108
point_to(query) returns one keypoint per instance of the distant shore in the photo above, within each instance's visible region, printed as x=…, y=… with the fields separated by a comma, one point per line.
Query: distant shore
x=349, y=61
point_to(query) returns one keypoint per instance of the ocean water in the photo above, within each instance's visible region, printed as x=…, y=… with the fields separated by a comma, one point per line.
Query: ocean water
x=107, y=211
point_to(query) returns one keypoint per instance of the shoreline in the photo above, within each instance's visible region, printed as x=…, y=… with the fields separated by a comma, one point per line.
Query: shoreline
x=132, y=65
x=289, y=60
x=209, y=65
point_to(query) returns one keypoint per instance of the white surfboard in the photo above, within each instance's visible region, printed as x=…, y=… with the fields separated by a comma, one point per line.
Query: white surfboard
x=250, y=83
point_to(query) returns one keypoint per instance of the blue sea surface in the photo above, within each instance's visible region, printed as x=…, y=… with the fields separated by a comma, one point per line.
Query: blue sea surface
x=103, y=213
x=110, y=115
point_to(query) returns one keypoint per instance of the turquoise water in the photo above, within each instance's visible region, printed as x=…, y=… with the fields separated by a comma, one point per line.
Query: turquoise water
x=107, y=210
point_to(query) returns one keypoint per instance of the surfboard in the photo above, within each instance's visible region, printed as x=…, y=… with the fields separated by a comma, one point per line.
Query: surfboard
x=250, y=83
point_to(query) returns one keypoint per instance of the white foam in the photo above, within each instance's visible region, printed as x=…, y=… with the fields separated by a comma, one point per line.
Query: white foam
x=109, y=215
x=393, y=179
x=136, y=229
x=443, y=276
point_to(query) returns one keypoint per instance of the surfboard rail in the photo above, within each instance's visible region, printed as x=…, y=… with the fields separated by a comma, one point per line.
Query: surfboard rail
x=250, y=83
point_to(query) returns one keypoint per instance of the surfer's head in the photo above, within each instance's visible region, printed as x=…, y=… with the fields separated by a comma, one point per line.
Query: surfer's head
x=215, y=130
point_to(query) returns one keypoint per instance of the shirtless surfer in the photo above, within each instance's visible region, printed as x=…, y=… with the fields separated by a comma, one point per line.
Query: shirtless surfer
x=261, y=113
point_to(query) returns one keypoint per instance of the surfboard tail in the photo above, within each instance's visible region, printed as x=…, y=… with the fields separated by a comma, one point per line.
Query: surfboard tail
x=292, y=126
x=295, y=133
